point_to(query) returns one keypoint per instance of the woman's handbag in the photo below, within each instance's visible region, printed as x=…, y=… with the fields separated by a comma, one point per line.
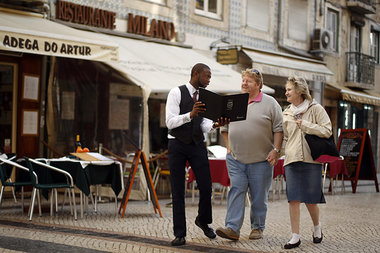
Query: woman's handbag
x=321, y=146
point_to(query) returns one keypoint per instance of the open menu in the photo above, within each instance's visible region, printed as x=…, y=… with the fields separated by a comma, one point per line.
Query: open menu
x=233, y=106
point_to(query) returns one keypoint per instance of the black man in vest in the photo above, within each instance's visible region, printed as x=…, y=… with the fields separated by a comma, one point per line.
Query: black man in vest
x=187, y=144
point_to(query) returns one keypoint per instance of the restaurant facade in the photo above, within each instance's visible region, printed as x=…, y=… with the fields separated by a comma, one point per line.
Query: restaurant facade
x=102, y=70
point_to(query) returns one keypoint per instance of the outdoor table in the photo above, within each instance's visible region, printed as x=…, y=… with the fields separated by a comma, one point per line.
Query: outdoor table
x=218, y=171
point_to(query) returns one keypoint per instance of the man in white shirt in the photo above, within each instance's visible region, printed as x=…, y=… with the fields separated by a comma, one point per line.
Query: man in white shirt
x=186, y=144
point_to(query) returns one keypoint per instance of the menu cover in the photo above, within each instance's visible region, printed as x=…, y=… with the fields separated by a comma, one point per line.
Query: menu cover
x=232, y=106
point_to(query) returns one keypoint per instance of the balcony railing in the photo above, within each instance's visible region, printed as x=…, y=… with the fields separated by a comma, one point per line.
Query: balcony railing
x=360, y=70
x=362, y=6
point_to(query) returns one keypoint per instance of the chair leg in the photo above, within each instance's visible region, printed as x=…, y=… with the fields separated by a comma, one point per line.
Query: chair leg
x=1, y=193
x=75, y=207
x=31, y=207
x=22, y=199
x=70, y=199
x=324, y=176
x=51, y=202
x=81, y=203
x=13, y=192
x=39, y=202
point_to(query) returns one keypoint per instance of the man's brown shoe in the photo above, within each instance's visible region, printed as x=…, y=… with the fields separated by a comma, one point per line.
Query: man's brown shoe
x=227, y=233
x=256, y=233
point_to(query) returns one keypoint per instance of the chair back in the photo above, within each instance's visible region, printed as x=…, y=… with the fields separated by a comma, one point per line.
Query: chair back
x=32, y=173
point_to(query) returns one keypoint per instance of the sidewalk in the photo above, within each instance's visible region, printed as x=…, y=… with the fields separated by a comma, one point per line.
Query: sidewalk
x=350, y=223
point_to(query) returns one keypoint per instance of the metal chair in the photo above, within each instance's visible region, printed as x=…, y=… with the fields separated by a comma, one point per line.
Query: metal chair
x=6, y=167
x=53, y=186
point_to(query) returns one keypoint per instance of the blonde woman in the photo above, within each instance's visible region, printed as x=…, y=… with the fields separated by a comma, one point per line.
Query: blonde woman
x=303, y=175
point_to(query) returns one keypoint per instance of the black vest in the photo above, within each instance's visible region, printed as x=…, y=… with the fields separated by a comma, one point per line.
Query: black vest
x=190, y=131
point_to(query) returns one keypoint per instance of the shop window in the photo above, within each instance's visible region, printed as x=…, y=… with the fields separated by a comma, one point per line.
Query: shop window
x=374, y=45
x=209, y=8
x=257, y=13
x=332, y=24
x=298, y=20
x=90, y=99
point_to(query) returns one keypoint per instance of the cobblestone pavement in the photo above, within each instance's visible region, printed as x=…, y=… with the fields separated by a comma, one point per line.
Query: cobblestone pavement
x=350, y=223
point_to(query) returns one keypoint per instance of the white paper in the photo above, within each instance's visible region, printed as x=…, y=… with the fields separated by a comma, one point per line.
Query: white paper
x=30, y=122
x=30, y=87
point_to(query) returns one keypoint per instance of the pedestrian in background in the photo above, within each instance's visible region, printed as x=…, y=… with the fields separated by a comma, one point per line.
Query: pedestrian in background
x=253, y=148
x=187, y=144
x=303, y=175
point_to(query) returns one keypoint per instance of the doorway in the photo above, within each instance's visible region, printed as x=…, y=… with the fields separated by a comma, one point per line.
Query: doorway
x=8, y=107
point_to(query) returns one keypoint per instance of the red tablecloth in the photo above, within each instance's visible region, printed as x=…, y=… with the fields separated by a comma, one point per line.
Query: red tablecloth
x=218, y=170
x=336, y=165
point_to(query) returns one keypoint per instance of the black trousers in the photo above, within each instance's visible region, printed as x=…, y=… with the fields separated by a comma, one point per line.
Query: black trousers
x=196, y=154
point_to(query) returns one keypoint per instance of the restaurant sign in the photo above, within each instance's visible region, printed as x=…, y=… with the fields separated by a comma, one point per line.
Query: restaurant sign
x=156, y=28
x=35, y=44
x=85, y=15
x=227, y=56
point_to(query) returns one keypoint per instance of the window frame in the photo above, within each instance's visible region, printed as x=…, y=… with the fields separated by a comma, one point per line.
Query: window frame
x=219, y=10
x=335, y=32
x=375, y=46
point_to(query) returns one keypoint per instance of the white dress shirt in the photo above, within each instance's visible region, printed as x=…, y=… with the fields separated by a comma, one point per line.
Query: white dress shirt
x=174, y=119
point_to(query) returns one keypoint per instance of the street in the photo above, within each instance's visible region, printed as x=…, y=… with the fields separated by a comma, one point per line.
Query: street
x=350, y=223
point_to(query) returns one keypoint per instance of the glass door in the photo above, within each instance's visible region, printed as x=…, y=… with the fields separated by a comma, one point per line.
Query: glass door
x=8, y=110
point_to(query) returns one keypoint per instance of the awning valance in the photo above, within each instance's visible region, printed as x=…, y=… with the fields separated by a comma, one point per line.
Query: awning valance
x=363, y=97
x=36, y=35
x=158, y=67
x=285, y=65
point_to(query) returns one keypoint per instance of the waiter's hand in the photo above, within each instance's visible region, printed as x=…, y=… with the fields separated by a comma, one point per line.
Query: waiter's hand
x=272, y=157
x=221, y=122
x=197, y=108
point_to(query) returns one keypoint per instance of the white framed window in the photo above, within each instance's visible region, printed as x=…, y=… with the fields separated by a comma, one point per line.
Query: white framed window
x=298, y=20
x=332, y=24
x=374, y=45
x=258, y=14
x=209, y=8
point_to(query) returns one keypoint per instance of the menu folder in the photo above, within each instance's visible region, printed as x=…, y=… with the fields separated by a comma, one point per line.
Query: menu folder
x=233, y=106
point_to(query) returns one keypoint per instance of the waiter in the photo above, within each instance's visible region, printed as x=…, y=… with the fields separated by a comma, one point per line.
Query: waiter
x=187, y=144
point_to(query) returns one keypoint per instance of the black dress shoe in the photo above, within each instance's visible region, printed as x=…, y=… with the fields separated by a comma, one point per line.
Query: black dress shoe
x=178, y=241
x=292, y=245
x=317, y=239
x=207, y=230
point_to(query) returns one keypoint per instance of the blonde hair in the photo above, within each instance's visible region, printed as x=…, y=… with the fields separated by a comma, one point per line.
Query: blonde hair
x=300, y=86
x=255, y=74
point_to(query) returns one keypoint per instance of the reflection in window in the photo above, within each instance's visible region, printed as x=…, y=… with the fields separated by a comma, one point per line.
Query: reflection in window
x=209, y=8
x=374, y=45
x=297, y=20
x=258, y=14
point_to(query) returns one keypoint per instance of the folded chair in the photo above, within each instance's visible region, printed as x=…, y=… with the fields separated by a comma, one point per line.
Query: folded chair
x=49, y=185
x=6, y=166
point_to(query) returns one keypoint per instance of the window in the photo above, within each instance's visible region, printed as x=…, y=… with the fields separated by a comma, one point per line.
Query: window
x=209, y=8
x=297, y=20
x=374, y=45
x=355, y=38
x=332, y=24
x=257, y=12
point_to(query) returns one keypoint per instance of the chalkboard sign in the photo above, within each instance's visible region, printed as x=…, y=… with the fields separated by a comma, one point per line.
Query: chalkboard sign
x=355, y=146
